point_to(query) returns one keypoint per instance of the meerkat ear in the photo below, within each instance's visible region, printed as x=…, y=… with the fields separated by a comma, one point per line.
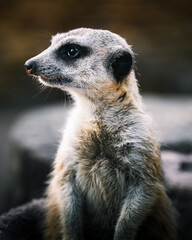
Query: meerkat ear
x=121, y=64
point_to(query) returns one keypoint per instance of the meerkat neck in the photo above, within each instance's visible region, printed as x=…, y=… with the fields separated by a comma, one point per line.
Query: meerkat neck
x=110, y=96
x=108, y=105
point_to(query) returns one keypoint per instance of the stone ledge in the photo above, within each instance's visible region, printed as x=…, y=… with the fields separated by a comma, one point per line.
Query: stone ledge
x=34, y=139
x=178, y=171
x=38, y=130
x=36, y=134
x=173, y=116
x=178, y=175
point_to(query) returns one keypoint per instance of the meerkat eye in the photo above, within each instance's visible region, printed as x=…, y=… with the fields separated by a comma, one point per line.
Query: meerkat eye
x=72, y=51
x=69, y=52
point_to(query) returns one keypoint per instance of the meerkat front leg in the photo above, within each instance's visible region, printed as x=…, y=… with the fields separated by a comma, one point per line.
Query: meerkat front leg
x=71, y=222
x=64, y=204
x=136, y=206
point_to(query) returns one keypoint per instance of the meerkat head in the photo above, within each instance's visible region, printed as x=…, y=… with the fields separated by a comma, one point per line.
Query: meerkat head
x=83, y=59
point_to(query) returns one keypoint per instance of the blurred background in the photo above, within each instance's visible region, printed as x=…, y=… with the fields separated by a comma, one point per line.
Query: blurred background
x=159, y=31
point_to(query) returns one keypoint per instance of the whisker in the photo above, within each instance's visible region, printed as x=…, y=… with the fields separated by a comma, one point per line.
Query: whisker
x=41, y=89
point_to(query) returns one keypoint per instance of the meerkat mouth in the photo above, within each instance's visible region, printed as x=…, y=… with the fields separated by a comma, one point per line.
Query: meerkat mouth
x=53, y=81
x=56, y=81
x=45, y=78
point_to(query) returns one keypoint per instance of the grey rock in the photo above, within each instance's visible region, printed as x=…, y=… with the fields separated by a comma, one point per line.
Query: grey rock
x=36, y=134
x=178, y=171
x=178, y=175
x=38, y=130
x=173, y=115
x=34, y=139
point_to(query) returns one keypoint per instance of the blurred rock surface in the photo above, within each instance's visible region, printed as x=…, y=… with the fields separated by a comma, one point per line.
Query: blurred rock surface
x=36, y=134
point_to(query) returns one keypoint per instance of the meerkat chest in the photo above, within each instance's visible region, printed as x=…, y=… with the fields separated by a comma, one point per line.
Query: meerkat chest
x=100, y=174
x=101, y=182
x=102, y=187
x=92, y=147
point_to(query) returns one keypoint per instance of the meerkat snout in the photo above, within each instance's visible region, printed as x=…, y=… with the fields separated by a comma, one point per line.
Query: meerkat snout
x=30, y=67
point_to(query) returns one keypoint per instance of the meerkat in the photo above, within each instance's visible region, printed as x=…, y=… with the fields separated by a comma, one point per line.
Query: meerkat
x=107, y=180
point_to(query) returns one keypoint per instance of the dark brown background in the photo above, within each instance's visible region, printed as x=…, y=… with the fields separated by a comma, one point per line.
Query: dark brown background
x=160, y=32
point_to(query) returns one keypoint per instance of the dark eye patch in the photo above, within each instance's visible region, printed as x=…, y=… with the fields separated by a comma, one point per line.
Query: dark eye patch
x=71, y=52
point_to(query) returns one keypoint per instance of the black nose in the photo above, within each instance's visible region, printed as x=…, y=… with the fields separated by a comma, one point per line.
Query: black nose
x=30, y=67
